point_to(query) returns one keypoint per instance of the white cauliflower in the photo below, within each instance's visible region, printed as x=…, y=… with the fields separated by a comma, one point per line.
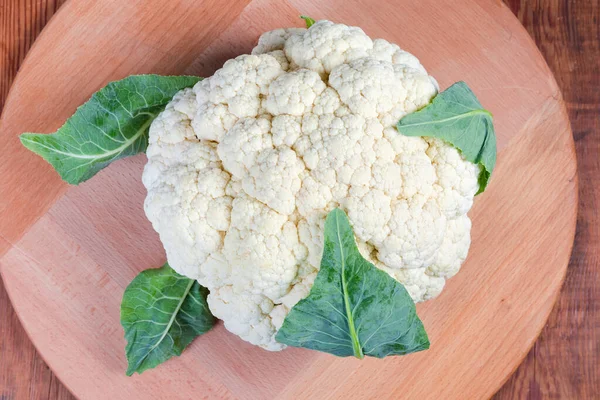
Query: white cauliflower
x=243, y=168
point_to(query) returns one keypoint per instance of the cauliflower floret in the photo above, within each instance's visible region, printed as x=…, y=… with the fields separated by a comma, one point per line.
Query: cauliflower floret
x=213, y=121
x=326, y=45
x=243, y=169
x=246, y=315
x=370, y=210
x=275, y=179
x=262, y=248
x=188, y=206
x=275, y=40
x=294, y=93
x=233, y=92
x=337, y=150
x=279, y=55
x=418, y=283
x=391, y=53
x=368, y=86
x=416, y=233
x=313, y=196
x=454, y=248
x=456, y=179
x=328, y=102
x=243, y=143
x=286, y=129
x=310, y=231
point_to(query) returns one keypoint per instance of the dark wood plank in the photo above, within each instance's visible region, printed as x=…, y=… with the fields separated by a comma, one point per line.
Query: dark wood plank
x=564, y=361
x=21, y=21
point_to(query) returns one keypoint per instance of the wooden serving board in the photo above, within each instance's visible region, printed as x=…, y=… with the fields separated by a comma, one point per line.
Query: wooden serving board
x=67, y=253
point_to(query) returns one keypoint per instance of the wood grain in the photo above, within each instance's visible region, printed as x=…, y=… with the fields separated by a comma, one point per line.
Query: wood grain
x=565, y=361
x=23, y=373
x=21, y=22
x=27, y=381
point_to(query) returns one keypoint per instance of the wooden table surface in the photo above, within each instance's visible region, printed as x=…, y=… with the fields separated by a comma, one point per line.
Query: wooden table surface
x=563, y=363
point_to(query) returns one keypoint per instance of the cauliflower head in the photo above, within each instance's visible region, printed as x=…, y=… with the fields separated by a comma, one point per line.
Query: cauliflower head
x=243, y=169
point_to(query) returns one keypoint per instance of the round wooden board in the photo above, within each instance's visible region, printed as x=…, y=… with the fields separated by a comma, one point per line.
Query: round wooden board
x=67, y=253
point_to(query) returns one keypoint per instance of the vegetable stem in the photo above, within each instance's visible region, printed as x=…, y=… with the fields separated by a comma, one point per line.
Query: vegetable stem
x=356, y=347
